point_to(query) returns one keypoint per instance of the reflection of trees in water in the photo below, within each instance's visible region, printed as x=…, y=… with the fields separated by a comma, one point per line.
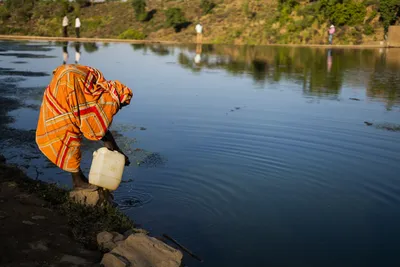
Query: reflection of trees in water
x=90, y=47
x=384, y=81
x=319, y=71
x=160, y=50
x=139, y=47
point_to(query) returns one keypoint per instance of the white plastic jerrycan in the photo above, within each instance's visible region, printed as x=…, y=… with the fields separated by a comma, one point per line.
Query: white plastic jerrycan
x=107, y=168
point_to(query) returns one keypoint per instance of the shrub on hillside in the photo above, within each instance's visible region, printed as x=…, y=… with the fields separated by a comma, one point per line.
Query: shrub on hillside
x=77, y=9
x=207, y=6
x=348, y=13
x=132, y=34
x=140, y=9
x=83, y=3
x=342, y=12
x=176, y=19
x=4, y=14
x=20, y=8
x=368, y=29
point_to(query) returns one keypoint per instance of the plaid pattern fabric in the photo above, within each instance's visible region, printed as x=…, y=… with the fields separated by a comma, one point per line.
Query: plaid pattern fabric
x=79, y=101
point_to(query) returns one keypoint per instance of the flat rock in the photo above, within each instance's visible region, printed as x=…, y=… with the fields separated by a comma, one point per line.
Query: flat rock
x=140, y=250
x=105, y=241
x=117, y=237
x=104, y=237
x=88, y=197
x=91, y=196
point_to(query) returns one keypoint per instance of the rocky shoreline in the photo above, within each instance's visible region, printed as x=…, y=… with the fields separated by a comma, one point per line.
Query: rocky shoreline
x=40, y=225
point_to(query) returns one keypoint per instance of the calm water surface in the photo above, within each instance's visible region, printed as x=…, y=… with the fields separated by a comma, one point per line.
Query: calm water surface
x=249, y=156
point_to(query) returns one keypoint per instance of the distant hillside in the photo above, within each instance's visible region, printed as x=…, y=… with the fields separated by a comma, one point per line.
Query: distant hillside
x=224, y=21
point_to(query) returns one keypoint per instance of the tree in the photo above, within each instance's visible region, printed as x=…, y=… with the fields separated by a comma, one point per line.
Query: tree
x=176, y=19
x=389, y=10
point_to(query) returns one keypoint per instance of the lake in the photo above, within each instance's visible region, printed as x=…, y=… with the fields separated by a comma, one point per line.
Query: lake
x=248, y=156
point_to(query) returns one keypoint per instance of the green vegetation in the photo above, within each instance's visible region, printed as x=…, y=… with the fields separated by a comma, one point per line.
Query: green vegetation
x=140, y=9
x=390, y=12
x=83, y=3
x=302, y=22
x=132, y=34
x=207, y=6
x=85, y=222
x=4, y=13
x=234, y=21
x=368, y=29
x=175, y=19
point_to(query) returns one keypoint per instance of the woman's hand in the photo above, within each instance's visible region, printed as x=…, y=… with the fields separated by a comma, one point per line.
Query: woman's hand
x=109, y=142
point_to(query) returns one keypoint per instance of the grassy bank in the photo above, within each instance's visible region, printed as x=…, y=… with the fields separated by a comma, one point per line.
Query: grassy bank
x=224, y=21
x=83, y=222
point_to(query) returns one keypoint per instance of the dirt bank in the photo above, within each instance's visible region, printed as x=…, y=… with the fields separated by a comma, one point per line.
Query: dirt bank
x=39, y=226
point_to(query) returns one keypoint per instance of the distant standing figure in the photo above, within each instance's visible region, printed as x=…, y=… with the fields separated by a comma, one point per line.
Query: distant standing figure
x=78, y=27
x=199, y=31
x=65, y=23
x=331, y=32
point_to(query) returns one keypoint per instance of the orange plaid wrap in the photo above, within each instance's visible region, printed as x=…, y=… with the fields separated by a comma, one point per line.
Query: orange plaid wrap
x=78, y=101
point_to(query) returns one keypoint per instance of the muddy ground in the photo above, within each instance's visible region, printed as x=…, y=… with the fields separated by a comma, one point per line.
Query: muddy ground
x=32, y=233
x=40, y=226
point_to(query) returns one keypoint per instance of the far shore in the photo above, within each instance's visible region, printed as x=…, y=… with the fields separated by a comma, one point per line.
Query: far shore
x=113, y=40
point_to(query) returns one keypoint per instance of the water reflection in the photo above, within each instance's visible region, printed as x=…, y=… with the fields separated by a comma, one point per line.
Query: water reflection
x=197, y=58
x=90, y=47
x=384, y=81
x=321, y=72
x=65, y=52
x=77, y=46
x=77, y=52
x=329, y=60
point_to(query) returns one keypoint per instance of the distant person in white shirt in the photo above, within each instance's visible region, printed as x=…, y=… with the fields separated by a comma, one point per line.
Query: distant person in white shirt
x=199, y=31
x=78, y=27
x=65, y=23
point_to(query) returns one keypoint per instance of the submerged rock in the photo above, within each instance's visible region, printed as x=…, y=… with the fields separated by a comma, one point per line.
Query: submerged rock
x=140, y=250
